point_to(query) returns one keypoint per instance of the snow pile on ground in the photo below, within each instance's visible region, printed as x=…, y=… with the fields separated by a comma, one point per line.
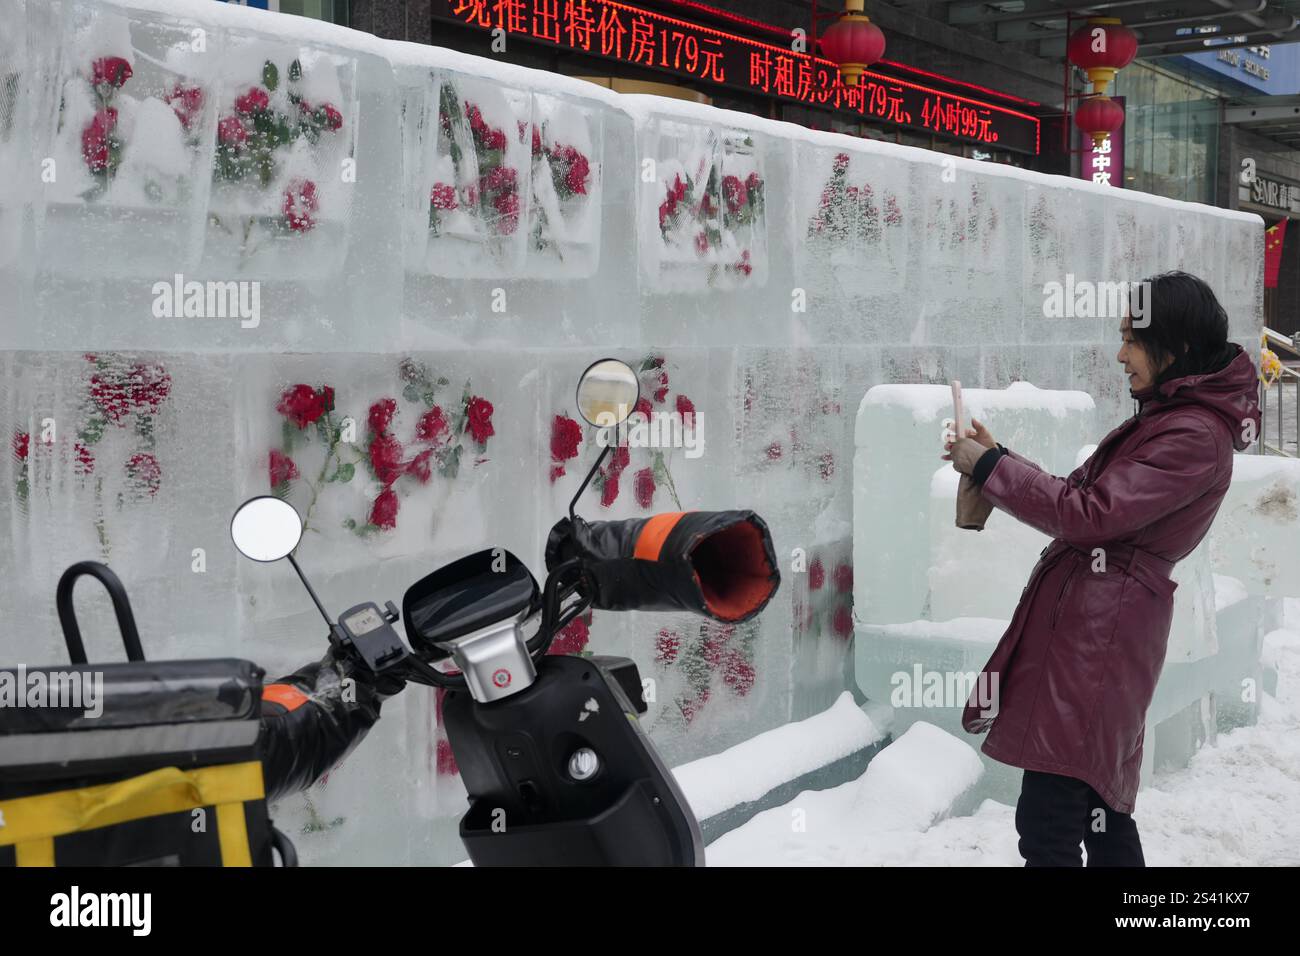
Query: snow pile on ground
x=750, y=769
x=908, y=785
x=1236, y=804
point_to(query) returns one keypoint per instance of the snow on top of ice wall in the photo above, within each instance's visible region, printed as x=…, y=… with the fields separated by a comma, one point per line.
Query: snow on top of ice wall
x=928, y=401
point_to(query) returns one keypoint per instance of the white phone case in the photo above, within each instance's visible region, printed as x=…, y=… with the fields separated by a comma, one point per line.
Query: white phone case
x=958, y=412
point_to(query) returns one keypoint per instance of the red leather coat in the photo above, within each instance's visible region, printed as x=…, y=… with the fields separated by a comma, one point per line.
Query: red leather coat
x=1075, y=672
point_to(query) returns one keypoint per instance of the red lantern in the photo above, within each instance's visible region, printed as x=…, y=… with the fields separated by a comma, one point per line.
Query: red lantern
x=1099, y=116
x=853, y=42
x=1102, y=46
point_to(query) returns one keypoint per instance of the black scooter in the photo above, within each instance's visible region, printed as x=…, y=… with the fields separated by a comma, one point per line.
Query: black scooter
x=550, y=748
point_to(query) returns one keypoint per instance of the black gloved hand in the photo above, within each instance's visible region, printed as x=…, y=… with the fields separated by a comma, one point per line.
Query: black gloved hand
x=315, y=717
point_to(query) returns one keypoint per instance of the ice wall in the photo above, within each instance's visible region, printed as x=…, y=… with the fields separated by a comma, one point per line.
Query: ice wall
x=462, y=237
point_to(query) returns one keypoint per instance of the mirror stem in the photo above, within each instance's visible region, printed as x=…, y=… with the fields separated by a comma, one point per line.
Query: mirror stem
x=320, y=607
x=590, y=475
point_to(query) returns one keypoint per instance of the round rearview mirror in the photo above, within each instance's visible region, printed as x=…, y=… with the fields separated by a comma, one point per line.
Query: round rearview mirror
x=266, y=528
x=607, y=393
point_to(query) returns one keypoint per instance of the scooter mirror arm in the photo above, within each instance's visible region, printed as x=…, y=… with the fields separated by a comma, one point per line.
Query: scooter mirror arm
x=586, y=481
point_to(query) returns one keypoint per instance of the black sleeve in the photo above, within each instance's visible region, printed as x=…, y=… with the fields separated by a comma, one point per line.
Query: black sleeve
x=984, y=466
x=311, y=720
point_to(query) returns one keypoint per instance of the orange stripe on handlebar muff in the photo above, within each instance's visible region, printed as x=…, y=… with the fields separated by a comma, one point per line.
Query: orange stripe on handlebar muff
x=654, y=533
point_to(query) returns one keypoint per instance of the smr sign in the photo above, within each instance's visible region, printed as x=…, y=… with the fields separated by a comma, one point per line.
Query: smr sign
x=1264, y=191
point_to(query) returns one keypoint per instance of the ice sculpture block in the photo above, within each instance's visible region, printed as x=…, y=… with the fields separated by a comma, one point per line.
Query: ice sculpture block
x=898, y=441
x=1256, y=535
x=976, y=574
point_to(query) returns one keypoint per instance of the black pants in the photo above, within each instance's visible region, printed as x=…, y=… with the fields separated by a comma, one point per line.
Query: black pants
x=1055, y=813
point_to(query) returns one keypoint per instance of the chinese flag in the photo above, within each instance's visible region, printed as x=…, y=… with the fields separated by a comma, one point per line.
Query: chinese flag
x=1273, y=236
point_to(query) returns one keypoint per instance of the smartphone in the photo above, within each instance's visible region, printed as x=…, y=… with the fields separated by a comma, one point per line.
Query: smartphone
x=958, y=411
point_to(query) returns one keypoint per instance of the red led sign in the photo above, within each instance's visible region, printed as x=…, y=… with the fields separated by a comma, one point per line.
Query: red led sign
x=622, y=32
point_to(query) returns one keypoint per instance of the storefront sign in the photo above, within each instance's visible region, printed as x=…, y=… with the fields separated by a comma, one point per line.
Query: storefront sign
x=1266, y=191
x=619, y=31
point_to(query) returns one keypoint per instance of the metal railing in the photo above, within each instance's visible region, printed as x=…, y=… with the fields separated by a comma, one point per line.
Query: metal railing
x=1288, y=379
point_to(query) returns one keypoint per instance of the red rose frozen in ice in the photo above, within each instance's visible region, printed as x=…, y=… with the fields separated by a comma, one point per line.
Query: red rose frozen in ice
x=475, y=117
x=110, y=71
x=566, y=436
x=443, y=196
x=685, y=407
x=386, y=458
x=332, y=117
x=734, y=193
x=186, y=102
x=432, y=426
x=667, y=644
x=557, y=472
x=21, y=445
x=420, y=467
x=737, y=673
x=507, y=207
x=479, y=419
x=231, y=132
x=691, y=707
x=715, y=642
x=281, y=468
x=95, y=139
x=303, y=404
x=609, y=490
x=254, y=101
x=381, y=415
x=383, y=514
x=816, y=575
x=843, y=578
x=826, y=465
x=642, y=406
x=774, y=451
x=85, y=460
x=446, y=760
x=494, y=139
x=502, y=177
x=665, y=210
x=149, y=386
x=145, y=472
x=701, y=242
x=619, y=459
x=644, y=487
x=577, y=169
x=752, y=182
x=300, y=203
x=662, y=391
x=842, y=622
x=572, y=639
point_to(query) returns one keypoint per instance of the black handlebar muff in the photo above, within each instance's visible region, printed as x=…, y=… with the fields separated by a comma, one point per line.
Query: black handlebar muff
x=717, y=563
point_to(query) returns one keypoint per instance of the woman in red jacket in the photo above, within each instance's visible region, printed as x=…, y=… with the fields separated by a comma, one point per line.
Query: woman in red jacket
x=1077, y=667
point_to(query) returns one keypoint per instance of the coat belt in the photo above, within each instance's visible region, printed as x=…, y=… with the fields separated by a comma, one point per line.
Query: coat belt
x=1137, y=563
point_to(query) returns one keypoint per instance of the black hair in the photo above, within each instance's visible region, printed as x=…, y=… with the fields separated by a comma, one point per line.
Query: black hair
x=1186, y=323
